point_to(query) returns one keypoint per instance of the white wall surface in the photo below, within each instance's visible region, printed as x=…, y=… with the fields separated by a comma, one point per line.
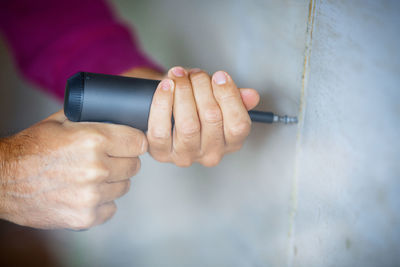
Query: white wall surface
x=347, y=166
x=323, y=193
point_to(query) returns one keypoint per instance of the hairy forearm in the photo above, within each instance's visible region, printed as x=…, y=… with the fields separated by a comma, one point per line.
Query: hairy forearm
x=5, y=173
x=4, y=149
x=12, y=150
x=18, y=163
x=2, y=156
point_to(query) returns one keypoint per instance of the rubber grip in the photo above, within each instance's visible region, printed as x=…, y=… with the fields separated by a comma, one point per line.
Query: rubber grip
x=109, y=98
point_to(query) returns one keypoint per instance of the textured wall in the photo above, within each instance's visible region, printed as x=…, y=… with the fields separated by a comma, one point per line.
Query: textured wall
x=324, y=193
x=348, y=152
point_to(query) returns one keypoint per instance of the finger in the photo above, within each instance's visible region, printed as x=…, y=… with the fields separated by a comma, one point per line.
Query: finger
x=105, y=212
x=116, y=140
x=187, y=125
x=212, y=133
x=124, y=141
x=236, y=118
x=250, y=97
x=121, y=168
x=112, y=191
x=159, y=130
x=194, y=70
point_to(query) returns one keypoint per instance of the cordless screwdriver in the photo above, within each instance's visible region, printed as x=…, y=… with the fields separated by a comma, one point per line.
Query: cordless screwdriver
x=124, y=100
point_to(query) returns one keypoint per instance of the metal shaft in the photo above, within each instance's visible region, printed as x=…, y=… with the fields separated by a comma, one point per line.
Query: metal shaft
x=269, y=117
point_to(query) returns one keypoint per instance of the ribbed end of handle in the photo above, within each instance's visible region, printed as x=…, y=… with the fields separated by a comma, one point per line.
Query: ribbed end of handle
x=73, y=99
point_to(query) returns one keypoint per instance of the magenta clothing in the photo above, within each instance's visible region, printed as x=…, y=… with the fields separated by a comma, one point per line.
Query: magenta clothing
x=52, y=39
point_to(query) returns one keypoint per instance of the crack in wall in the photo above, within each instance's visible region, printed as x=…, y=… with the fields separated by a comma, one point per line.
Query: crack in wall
x=292, y=249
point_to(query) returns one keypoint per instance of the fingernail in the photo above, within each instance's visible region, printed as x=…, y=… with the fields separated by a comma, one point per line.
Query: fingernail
x=166, y=85
x=194, y=70
x=144, y=146
x=219, y=77
x=178, y=71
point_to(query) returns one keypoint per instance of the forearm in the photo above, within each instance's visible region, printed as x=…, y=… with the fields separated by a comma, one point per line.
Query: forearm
x=4, y=168
x=19, y=166
x=5, y=173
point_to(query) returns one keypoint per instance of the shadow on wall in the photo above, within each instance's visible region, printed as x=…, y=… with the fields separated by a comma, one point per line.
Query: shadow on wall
x=21, y=105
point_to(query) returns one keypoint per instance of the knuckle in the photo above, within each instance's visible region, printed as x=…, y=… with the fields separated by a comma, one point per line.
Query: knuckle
x=213, y=115
x=159, y=135
x=84, y=220
x=234, y=148
x=184, y=163
x=92, y=138
x=190, y=128
x=211, y=160
x=88, y=219
x=201, y=78
x=159, y=156
x=226, y=96
x=240, y=129
x=90, y=198
x=95, y=172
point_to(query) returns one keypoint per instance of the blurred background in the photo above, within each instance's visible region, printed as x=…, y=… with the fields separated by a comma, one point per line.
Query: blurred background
x=322, y=193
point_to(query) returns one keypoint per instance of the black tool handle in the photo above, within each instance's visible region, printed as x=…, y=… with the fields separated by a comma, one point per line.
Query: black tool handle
x=116, y=99
x=109, y=98
x=261, y=116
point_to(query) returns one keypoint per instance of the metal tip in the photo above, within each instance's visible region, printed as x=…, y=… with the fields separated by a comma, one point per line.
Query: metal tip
x=285, y=119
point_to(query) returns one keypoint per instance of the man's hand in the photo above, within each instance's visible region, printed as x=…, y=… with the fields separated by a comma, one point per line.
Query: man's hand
x=210, y=114
x=61, y=174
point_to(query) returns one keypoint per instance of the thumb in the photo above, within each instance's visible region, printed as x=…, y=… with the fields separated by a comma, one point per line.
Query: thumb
x=250, y=97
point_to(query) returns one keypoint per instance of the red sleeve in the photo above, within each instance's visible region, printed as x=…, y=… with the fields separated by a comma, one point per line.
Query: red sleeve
x=51, y=40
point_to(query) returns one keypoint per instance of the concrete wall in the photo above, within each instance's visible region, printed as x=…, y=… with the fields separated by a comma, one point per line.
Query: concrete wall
x=323, y=193
x=348, y=151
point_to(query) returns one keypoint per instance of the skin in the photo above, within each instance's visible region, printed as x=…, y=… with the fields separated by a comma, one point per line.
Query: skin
x=211, y=117
x=62, y=174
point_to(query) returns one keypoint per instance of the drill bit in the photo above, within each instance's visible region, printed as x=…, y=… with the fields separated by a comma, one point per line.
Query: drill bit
x=285, y=119
x=270, y=117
